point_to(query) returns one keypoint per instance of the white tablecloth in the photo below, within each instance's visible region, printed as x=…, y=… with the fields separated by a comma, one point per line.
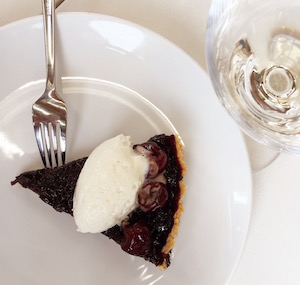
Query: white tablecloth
x=272, y=250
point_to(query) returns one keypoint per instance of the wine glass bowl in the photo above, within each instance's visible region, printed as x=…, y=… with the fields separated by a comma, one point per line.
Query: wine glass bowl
x=253, y=58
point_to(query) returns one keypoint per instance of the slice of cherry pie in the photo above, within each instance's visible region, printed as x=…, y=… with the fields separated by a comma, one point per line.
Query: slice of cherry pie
x=149, y=230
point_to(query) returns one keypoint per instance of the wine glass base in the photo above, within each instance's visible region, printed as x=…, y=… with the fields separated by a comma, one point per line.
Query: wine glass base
x=260, y=155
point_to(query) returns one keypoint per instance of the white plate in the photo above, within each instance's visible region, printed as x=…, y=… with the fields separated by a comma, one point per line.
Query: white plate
x=111, y=72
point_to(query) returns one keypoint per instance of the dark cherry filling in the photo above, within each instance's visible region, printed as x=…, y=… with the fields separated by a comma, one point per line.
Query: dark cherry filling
x=54, y=186
x=146, y=230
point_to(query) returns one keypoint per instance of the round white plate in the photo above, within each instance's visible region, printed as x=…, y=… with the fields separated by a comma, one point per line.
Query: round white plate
x=117, y=77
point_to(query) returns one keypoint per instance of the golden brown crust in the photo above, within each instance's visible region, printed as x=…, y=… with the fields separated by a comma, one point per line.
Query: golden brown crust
x=179, y=148
x=171, y=237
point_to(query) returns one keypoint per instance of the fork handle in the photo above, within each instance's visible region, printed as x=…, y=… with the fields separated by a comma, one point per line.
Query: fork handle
x=48, y=17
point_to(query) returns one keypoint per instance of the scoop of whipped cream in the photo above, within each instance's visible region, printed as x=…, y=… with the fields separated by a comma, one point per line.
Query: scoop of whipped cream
x=107, y=185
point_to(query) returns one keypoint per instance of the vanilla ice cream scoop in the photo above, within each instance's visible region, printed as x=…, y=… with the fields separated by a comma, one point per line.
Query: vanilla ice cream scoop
x=107, y=186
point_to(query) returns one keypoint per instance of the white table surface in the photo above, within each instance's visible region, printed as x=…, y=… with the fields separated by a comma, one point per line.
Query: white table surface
x=272, y=251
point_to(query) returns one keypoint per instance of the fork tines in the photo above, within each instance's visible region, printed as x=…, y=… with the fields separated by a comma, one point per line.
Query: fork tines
x=52, y=150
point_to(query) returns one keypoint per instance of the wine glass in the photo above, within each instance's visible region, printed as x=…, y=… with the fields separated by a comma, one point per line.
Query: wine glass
x=253, y=58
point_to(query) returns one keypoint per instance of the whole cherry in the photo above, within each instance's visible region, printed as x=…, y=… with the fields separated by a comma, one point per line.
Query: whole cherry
x=152, y=196
x=157, y=158
x=136, y=239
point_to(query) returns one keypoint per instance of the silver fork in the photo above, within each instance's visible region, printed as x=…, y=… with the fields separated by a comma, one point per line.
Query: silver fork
x=49, y=112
